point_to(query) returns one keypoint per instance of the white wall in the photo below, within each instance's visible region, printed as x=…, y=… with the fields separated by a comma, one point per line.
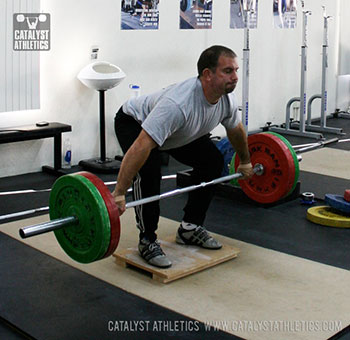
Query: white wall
x=343, y=94
x=344, y=38
x=155, y=59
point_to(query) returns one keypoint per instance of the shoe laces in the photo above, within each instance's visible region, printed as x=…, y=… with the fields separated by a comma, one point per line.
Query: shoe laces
x=154, y=245
x=152, y=250
x=201, y=233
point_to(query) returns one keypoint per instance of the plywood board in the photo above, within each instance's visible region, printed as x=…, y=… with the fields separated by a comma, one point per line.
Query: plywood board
x=186, y=260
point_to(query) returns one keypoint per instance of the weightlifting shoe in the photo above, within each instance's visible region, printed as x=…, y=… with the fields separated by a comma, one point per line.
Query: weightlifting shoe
x=153, y=254
x=197, y=236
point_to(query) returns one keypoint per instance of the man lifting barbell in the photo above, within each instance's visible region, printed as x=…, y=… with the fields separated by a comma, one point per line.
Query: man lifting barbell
x=178, y=120
x=85, y=217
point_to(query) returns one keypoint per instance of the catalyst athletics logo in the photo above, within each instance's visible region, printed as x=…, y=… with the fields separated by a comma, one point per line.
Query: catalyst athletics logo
x=31, y=32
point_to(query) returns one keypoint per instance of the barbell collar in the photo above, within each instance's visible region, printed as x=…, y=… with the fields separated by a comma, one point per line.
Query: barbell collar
x=45, y=227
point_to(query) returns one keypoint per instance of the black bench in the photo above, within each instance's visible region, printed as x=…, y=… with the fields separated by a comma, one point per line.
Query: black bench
x=30, y=132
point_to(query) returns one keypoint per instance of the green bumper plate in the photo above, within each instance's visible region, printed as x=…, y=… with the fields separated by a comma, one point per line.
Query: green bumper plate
x=233, y=171
x=75, y=195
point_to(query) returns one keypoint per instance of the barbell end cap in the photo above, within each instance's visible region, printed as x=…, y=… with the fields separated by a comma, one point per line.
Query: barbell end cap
x=258, y=169
x=22, y=233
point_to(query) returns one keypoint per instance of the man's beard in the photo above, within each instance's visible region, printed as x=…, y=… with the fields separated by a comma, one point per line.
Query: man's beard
x=229, y=89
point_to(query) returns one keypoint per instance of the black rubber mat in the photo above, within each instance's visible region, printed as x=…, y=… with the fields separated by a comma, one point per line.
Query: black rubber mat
x=51, y=300
x=9, y=332
x=321, y=185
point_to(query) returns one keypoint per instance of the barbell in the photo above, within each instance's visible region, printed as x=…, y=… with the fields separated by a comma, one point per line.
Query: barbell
x=85, y=218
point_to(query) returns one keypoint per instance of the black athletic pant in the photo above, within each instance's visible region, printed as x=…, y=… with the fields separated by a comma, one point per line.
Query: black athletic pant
x=202, y=155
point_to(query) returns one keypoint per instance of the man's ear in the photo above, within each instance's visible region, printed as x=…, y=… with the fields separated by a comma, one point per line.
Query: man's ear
x=206, y=74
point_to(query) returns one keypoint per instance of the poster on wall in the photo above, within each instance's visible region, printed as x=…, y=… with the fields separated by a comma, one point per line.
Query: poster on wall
x=139, y=14
x=244, y=14
x=196, y=14
x=285, y=13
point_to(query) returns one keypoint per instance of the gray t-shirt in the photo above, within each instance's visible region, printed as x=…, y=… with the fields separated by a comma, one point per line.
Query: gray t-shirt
x=180, y=113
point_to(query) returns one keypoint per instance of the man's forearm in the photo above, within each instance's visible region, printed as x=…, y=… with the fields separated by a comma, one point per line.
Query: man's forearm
x=238, y=139
x=131, y=164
